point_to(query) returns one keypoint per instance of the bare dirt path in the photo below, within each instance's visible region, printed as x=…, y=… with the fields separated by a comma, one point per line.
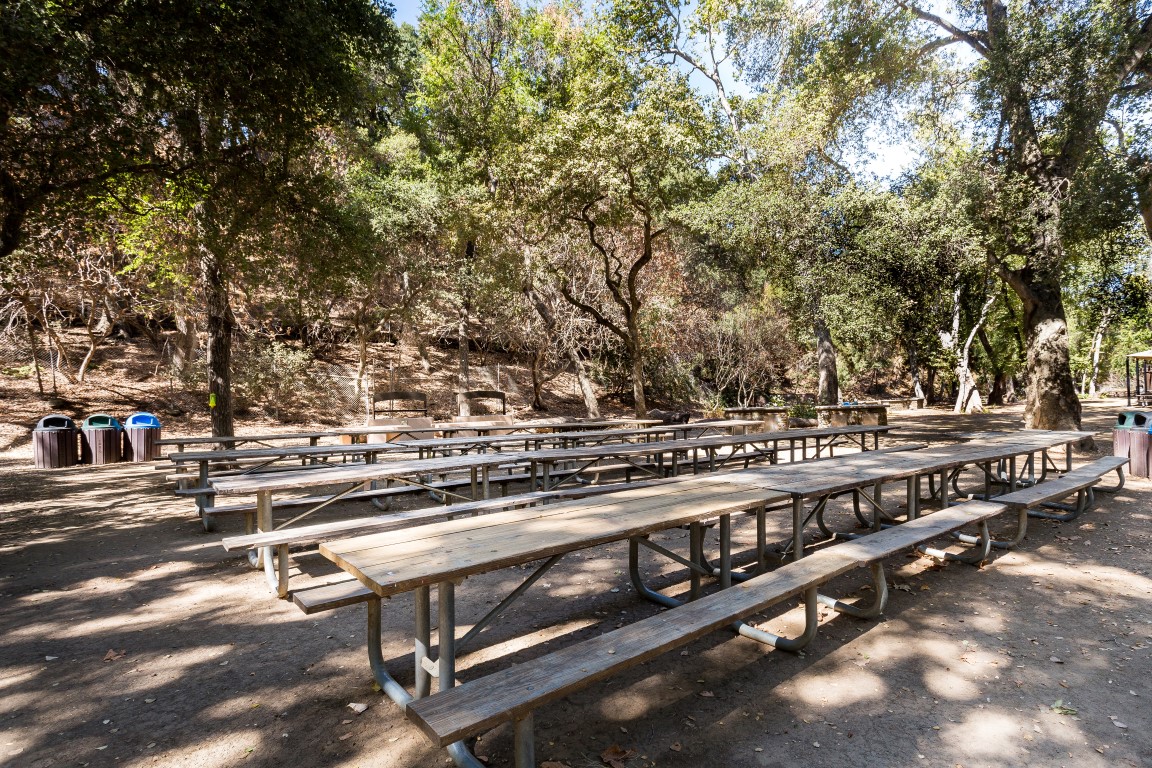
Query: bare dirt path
x=128, y=637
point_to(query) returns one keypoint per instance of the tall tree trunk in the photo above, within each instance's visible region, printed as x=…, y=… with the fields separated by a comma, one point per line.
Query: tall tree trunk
x=1000, y=379
x=914, y=367
x=968, y=396
x=1051, y=401
x=638, y=381
x=1097, y=349
x=828, y=388
x=184, y=348
x=464, y=375
x=35, y=357
x=221, y=324
x=587, y=391
x=537, y=381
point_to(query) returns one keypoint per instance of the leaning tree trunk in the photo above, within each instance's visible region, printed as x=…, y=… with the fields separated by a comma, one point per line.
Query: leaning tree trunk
x=1051, y=401
x=221, y=324
x=828, y=389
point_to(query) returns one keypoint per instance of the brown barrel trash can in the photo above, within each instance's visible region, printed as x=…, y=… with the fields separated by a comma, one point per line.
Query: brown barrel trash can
x=141, y=433
x=1138, y=453
x=54, y=442
x=100, y=438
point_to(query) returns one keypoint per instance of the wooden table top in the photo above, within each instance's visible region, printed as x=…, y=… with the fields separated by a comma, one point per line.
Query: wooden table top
x=814, y=478
x=663, y=429
x=355, y=473
x=656, y=446
x=287, y=451
x=397, y=561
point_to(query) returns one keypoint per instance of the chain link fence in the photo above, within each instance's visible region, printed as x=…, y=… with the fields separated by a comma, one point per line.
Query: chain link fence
x=284, y=382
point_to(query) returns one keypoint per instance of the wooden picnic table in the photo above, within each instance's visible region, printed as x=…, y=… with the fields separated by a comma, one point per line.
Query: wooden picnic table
x=539, y=440
x=256, y=460
x=656, y=458
x=443, y=554
x=440, y=428
x=313, y=438
x=541, y=465
x=354, y=477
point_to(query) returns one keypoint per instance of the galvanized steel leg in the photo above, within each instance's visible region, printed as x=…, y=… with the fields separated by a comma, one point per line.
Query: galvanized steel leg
x=696, y=555
x=1084, y=499
x=1119, y=484
x=446, y=653
x=761, y=536
x=798, y=527
x=387, y=683
x=276, y=571
x=975, y=557
x=879, y=585
x=811, y=624
x=913, y=501
x=725, y=551
x=423, y=610
x=1012, y=543
x=525, y=744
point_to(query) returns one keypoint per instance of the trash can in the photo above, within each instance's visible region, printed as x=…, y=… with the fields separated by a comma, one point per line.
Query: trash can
x=54, y=442
x=141, y=431
x=100, y=439
x=1138, y=452
x=1134, y=420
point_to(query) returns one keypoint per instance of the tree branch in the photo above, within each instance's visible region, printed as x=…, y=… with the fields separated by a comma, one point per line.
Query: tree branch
x=965, y=36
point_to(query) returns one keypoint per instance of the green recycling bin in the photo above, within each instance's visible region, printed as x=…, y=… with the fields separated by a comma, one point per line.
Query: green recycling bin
x=100, y=439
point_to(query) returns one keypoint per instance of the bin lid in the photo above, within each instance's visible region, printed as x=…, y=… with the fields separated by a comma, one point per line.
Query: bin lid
x=55, y=421
x=142, y=419
x=101, y=421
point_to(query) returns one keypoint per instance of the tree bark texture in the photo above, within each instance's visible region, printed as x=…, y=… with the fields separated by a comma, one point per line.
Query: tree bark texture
x=221, y=324
x=1051, y=401
x=828, y=388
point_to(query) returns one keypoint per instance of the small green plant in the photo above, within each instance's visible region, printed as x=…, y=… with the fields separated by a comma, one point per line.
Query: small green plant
x=20, y=372
x=802, y=411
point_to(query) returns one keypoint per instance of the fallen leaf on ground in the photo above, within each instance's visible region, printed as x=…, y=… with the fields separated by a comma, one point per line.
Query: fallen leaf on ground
x=615, y=756
x=112, y=655
x=346, y=736
x=707, y=694
x=358, y=708
x=1060, y=708
x=902, y=587
x=675, y=747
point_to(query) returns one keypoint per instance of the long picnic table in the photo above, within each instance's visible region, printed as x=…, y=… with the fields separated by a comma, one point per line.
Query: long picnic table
x=358, y=433
x=539, y=440
x=443, y=554
x=541, y=465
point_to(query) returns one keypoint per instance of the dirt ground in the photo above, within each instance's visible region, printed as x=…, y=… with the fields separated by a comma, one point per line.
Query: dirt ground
x=129, y=637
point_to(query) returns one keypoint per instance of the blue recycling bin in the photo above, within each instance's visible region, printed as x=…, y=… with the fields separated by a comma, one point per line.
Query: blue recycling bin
x=141, y=433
